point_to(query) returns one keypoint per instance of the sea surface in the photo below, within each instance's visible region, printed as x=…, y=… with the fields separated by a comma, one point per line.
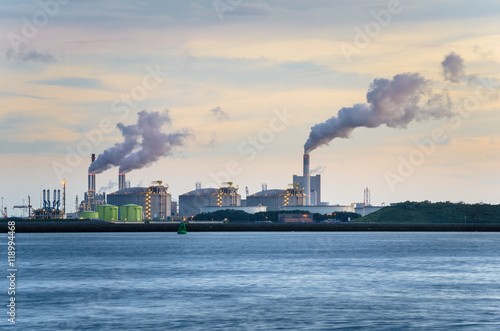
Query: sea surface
x=256, y=281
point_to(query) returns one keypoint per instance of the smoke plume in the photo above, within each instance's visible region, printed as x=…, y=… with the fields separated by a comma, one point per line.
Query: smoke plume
x=395, y=103
x=108, y=187
x=112, y=157
x=144, y=144
x=453, y=67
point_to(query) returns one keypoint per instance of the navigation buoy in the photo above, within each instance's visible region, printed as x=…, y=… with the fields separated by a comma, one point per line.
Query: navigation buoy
x=182, y=228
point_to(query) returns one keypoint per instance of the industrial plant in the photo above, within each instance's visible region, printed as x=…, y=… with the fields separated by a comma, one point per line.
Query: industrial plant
x=154, y=202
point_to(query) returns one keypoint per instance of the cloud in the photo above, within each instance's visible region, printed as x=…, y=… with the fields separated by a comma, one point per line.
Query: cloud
x=8, y=94
x=248, y=9
x=453, y=67
x=218, y=113
x=24, y=55
x=75, y=82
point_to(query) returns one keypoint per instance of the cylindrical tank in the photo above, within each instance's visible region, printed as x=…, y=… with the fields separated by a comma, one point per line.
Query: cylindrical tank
x=88, y=214
x=107, y=212
x=131, y=213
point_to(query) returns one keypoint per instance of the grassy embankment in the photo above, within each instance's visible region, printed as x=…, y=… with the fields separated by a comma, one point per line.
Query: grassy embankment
x=440, y=212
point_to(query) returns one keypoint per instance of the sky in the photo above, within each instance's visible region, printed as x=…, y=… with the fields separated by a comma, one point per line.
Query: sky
x=245, y=81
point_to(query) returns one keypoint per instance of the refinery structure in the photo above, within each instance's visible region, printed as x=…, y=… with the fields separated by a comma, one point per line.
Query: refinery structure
x=154, y=202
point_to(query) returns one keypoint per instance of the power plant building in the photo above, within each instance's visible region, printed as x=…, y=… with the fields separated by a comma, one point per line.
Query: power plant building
x=276, y=199
x=155, y=200
x=190, y=203
x=315, y=187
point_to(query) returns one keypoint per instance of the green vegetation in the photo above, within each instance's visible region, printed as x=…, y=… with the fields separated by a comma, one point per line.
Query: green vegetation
x=270, y=216
x=440, y=212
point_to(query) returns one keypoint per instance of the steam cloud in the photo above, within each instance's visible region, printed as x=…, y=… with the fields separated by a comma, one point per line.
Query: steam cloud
x=153, y=145
x=110, y=185
x=395, y=103
x=453, y=67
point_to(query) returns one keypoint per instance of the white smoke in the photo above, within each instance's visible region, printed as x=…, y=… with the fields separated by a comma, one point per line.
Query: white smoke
x=108, y=187
x=112, y=157
x=395, y=103
x=144, y=144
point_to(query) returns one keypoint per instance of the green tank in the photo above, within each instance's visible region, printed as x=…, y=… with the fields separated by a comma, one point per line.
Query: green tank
x=107, y=212
x=131, y=213
x=88, y=214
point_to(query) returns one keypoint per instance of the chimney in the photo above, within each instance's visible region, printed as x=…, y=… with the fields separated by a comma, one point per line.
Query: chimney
x=91, y=188
x=307, y=180
x=121, y=182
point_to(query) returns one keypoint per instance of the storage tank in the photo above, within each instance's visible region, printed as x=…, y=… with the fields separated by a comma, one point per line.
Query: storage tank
x=131, y=213
x=88, y=214
x=107, y=212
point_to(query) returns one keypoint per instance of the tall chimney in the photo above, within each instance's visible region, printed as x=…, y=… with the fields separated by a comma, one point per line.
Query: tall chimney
x=91, y=188
x=307, y=179
x=121, y=182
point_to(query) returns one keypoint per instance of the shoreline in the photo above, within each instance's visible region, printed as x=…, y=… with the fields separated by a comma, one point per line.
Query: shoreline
x=23, y=226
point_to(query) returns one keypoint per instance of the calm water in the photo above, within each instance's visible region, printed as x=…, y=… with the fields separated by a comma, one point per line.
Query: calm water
x=257, y=281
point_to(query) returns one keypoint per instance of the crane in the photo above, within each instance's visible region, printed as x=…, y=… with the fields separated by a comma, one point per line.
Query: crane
x=25, y=208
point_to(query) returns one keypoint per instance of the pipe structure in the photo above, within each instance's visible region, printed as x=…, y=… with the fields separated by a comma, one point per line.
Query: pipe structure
x=44, y=200
x=121, y=182
x=54, y=202
x=48, y=200
x=307, y=179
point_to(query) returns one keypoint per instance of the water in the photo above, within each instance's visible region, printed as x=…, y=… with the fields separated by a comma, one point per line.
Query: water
x=257, y=281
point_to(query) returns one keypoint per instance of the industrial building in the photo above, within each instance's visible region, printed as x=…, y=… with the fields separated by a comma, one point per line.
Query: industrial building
x=275, y=199
x=295, y=218
x=51, y=208
x=190, y=203
x=91, y=204
x=247, y=209
x=364, y=210
x=315, y=185
x=91, y=200
x=154, y=200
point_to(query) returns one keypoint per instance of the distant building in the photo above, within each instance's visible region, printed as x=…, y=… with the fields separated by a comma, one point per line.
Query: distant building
x=247, y=209
x=322, y=209
x=315, y=187
x=86, y=204
x=275, y=199
x=190, y=203
x=155, y=200
x=363, y=210
x=174, y=208
x=295, y=218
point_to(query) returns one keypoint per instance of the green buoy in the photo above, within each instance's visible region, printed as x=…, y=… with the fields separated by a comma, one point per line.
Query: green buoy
x=182, y=228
